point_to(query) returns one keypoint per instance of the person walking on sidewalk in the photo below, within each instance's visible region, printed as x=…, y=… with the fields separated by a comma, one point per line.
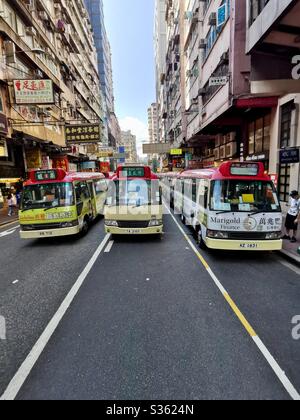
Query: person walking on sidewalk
x=12, y=203
x=292, y=218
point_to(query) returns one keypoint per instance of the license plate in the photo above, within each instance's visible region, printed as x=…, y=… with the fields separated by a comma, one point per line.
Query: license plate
x=249, y=246
x=133, y=231
x=46, y=233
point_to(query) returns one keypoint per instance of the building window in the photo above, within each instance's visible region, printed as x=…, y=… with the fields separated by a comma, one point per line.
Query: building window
x=256, y=7
x=286, y=124
x=260, y=135
x=1, y=104
x=284, y=182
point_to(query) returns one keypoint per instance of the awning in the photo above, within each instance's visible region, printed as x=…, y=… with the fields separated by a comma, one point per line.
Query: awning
x=269, y=102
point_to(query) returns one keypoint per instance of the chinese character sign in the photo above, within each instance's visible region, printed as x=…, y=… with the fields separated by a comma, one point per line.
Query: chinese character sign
x=83, y=134
x=33, y=92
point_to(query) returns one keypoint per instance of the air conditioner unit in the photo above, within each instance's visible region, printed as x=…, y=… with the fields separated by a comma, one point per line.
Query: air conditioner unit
x=222, y=152
x=217, y=153
x=202, y=44
x=189, y=73
x=212, y=20
x=10, y=52
x=31, y=31
x=231, y=150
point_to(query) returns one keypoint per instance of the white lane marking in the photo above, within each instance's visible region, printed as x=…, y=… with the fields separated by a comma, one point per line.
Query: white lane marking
x=15, y=282
x=277, y=369
x=24, y=371
x=9, y=224
x=8, y=232
x=289, y=387
x=290, y=266
x=109, y=247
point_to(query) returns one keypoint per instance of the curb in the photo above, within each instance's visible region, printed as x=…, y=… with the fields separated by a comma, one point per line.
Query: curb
x=291, y=257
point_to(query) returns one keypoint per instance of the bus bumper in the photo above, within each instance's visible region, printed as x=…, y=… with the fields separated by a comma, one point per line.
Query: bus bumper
x=232, y=245
x=54, y=233
x=157, y=230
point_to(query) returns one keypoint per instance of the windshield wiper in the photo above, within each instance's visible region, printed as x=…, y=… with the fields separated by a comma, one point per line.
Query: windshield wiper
x=51, y=208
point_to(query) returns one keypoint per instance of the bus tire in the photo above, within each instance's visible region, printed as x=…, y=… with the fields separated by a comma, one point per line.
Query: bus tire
x=202, y=244
x=85, y=227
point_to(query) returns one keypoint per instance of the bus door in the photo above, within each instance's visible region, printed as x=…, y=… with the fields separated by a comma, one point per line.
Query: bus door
x=101, y=191
x=202, y=203
x=83, y=200
x=90, y=185
x=190, y=202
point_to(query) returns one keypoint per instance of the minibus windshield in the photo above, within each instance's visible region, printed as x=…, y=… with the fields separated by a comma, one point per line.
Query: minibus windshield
x=244, y=196
x=136, y=193
x=47, y=196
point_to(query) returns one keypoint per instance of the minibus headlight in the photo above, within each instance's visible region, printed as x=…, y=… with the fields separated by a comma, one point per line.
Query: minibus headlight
x=273, y=235
x=69, y=224
x=113, y=223
x=217, y=234
x=154, y=223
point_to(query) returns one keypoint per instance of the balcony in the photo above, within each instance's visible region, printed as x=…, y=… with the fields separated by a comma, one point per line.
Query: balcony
x=273, y=26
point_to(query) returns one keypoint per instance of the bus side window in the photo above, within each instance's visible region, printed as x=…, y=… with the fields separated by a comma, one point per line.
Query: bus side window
x=194, y=191
x=101, y=187
x=203, y=195
x=78, y=192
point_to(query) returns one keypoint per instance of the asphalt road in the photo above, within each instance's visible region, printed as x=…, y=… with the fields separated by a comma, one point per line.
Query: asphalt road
x=148, y=322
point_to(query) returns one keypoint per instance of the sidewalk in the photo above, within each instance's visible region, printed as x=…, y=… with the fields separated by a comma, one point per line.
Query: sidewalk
x=291, y=250
x=4, y=218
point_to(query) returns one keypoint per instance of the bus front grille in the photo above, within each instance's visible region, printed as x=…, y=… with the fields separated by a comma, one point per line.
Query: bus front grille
x=248, y=236
x=133, y=224
x=42, y=226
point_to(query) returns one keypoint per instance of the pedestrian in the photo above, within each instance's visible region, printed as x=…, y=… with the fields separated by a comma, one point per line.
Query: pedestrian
x=12, y=203
x=292, y=218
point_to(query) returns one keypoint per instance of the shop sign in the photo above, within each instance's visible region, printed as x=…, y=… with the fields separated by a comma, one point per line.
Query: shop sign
x=176, y=152
x=3, y=124
x=61, y=163
x=3, y=149
x=30, y=92
x=45, y=162
x=33, y=158
x=83, y=134
x=218, y=81
x=289, y=156
x=105, y=167
x=275, y=179
x=256, y=158
x=244, y=223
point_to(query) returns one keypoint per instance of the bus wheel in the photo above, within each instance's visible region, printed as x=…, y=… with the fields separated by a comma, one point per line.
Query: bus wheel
x=85, y=227
x=202, y=244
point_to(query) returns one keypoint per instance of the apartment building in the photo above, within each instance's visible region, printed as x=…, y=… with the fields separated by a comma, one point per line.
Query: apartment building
x=231, y=87
x=48, y=82
x=273, y=43
x=160, y=51
x=96, y=13
x=153, y=123
x=128, y=142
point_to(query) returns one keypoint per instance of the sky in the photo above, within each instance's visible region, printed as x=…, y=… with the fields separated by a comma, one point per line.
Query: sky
x=129, y=24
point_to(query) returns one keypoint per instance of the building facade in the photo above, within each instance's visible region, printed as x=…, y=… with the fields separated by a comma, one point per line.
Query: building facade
x=128, y=142
x=231, y=85
x=153, y=123
x=47, y=51
x=96, y=13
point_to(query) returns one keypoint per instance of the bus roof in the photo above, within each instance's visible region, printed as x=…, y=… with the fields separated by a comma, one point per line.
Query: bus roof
x=230, y=171
x=59, y=175
x=134, y=171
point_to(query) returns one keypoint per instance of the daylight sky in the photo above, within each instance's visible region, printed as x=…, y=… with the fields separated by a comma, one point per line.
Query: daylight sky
x=129, y=24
